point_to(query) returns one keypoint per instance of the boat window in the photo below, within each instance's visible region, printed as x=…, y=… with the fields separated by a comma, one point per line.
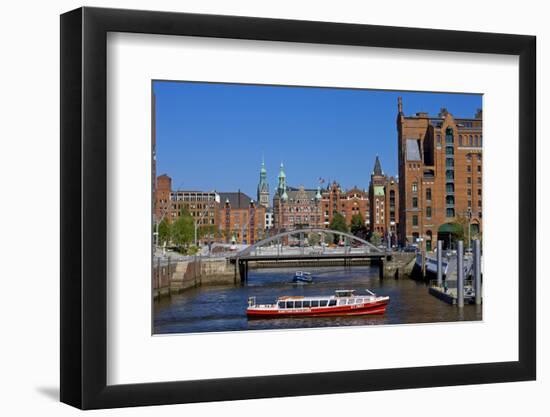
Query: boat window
x=342, y=302
x=298, y=304
x=315, y=303
x=281, y=304
x=290, y=304
x=332, y=303
x=323, y=303
x=307, y=303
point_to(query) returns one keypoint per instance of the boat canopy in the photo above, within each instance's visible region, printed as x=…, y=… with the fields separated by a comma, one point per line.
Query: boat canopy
x=344, y=293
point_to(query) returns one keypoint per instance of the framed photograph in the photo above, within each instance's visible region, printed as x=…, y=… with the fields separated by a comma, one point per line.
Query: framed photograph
x=257, y=208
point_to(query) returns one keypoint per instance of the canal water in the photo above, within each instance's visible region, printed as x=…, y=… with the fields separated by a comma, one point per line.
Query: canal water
x=223, y=308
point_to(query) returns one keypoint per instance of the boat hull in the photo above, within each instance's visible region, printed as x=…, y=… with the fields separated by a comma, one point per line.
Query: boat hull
x=378, y=307
x=299, y=280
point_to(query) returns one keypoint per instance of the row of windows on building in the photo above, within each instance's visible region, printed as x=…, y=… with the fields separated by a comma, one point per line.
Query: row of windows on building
x=463, y=140
x=304, y=219
x=306, y=209
x=450, y=175
x=192, y=197
x=194, y=206
x=449, y=199
x=449, y=212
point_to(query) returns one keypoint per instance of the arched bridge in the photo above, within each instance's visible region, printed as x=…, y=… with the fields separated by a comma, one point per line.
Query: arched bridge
x=302, y=233
x=271, y=251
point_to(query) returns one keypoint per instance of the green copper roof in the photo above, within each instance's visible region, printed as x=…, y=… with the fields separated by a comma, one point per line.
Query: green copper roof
x=284, y=196
x=263, y=186
x=282, y=172
x=378, y=190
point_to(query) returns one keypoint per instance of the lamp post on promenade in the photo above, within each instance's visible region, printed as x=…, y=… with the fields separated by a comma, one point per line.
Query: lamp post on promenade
x=197, y=224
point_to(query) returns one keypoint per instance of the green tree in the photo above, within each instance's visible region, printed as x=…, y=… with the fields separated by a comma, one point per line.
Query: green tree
x=376, y=239
x=183, y=229
x=358, y=227
x=163, y=232
x=462, y=234
x=207, y=230
x=313, y=239
x=338, y=223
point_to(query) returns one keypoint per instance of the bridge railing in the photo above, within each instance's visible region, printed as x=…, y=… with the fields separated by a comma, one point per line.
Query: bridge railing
x=277, y=239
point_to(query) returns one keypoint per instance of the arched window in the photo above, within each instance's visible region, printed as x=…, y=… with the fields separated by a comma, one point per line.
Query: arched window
x=459, y=140
x=429, y=240
x=449, y=139
x=450, y=187
x=450, y=200
x=470, y=140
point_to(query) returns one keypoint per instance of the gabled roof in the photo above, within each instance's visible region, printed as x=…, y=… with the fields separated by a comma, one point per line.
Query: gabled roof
x=238, y=200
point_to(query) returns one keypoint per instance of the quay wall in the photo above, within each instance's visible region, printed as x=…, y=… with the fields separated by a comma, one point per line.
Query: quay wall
x=400, y=265
x=179, y=276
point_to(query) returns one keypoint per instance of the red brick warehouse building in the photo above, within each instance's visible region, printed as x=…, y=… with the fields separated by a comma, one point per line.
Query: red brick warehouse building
x=440, y=176
x=384, y=204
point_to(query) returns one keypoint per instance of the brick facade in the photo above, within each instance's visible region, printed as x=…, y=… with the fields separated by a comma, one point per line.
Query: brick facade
x=243, y=224
x=440, y=175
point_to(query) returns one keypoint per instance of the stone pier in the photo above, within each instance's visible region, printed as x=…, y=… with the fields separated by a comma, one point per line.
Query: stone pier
x=182, y=275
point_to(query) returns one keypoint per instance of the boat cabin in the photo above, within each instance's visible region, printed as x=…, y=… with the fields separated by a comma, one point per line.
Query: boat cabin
x=345, y=293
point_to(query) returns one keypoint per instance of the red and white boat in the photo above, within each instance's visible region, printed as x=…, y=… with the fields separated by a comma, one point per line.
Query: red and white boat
x=342, y=303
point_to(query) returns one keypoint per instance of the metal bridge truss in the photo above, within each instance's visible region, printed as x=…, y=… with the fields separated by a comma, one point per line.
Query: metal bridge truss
x=252, y=249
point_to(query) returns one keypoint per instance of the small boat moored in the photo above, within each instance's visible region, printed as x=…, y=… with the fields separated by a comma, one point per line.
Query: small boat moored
x=342, y=303
x=301, y=276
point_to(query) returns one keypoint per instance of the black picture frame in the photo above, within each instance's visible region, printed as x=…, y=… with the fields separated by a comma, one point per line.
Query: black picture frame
x=84, y=207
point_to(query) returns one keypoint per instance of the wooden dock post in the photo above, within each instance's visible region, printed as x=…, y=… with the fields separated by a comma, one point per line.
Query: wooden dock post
x=439, y=263
x=477, y=271
x=460, y=274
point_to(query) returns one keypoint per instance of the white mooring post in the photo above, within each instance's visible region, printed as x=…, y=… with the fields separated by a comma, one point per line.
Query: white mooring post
x=477, y=271
x=439, y=263
x=460, y=274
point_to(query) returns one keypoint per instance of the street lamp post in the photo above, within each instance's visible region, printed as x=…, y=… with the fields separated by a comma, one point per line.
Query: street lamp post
x=197, y=223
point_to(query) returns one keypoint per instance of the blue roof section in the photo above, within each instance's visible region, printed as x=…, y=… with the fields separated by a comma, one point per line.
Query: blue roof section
x=413, y=150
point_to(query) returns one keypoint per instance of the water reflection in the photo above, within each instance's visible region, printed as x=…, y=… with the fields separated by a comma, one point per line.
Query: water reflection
x=223, y=308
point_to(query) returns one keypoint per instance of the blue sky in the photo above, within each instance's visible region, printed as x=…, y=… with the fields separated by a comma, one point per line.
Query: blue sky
x=213, y=136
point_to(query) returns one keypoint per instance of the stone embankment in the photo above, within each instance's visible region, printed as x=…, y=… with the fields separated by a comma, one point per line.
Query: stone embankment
x=172, y=278
x=399, y=265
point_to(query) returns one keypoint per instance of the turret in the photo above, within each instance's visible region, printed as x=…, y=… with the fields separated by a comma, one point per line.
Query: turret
x=318, y=195
x=281, y=188
x=377, y=168
x=263, y=187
